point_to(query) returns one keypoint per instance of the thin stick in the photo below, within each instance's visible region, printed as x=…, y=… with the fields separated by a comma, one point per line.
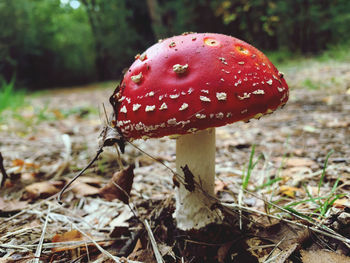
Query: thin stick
x=273, y=250
x=3, y=171
x=240, y=198
x=101, y=249
x=157, y=254
x=119, y=159
x=59, y=244
x=78, y=175
x=29, y=207
x=313, y=222
x=332, y=235
x=147, y=226
x=17, y=232
x=40, y=245
x=153, y=242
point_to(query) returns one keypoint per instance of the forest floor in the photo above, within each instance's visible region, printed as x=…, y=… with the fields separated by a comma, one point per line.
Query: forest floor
x=295, y=208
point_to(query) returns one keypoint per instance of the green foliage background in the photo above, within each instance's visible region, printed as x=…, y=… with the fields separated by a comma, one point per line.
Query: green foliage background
x=49, y=43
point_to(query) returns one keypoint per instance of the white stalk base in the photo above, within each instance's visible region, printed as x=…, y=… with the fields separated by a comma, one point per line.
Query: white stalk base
x=197, y=151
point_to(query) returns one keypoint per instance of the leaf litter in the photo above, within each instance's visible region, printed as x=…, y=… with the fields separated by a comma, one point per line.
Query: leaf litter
x=292, y=207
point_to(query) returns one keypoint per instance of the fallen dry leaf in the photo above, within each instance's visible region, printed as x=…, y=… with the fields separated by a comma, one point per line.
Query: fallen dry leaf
x=289, y=191
x=323, y=256
x=124, y=180
x=219, y=186
x=288, y=234
x=223, y=251
x=11, y=205
x=144, y=255
x=73, y=235
x=283, y=255
x=342, y=203
x=82, y=189
x=42, y=189
x=297, y=162
x=84, y=186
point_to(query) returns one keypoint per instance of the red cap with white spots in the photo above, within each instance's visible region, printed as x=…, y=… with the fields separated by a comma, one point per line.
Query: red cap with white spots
x=193, y=82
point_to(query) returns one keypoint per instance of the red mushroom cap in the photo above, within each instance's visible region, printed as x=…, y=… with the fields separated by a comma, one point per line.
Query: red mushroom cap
x=193, y=82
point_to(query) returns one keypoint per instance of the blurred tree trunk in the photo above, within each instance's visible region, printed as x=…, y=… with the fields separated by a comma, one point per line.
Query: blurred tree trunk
x=94, y=20
x=156, y=18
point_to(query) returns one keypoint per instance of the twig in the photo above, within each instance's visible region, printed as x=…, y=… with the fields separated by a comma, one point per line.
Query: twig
x=17, y=232
x=3, y=171
x=240, y=199
x=147, y=226
x=79, y=174
x=332, y=235
x=40, y=245
x=153, y=242
x=101, y=249
x=60, y=244
x=268, y=259
x=313, y=222
x=119, y=158
x=157, y=254
x=66, y=158
x=29, y=207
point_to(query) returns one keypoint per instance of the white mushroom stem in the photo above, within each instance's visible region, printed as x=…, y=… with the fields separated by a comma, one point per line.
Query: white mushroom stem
x=197, y=151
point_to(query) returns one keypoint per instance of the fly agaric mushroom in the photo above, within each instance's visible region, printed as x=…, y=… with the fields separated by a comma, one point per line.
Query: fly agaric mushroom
x=186, y=86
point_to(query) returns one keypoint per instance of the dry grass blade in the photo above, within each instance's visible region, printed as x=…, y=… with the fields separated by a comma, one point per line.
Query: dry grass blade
x=56, y=245
x=62, y=166
x=16, y=233
x=40, y=245
x=30, y=207
x=3, y=171
x=339, y=237
x=240, y=199
x=17, y=247
x=313, y=222
x=153, y=242
x=101, y=249
x=268, y=259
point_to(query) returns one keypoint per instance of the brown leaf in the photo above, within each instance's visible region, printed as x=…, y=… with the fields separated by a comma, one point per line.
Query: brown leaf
x=11, y=205
x=289, y=234
x=84, y=186
x=83, y=189
x=189, y=178
x=297, y=162
x=144, y=255
x=17, y=162
x=285, y=253
x=73, y=235
x=42, y=189
x=219, y=186
x=223, y=251
x=289, y=191
x=124, y=180
x=342, y=203
x=323, y=256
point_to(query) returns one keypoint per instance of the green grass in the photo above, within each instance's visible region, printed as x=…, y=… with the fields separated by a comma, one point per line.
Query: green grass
x=251, y=165
x=285, y=58
x=324, y=171
x=9, y=97
x=322, y=203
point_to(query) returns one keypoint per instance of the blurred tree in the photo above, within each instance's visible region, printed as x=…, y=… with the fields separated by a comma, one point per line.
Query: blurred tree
x=299, y=25
x=60, y=42
x=38, y=42
x=114, y=38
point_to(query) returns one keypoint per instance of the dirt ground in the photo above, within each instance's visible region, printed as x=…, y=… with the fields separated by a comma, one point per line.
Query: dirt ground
x=296, y=202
